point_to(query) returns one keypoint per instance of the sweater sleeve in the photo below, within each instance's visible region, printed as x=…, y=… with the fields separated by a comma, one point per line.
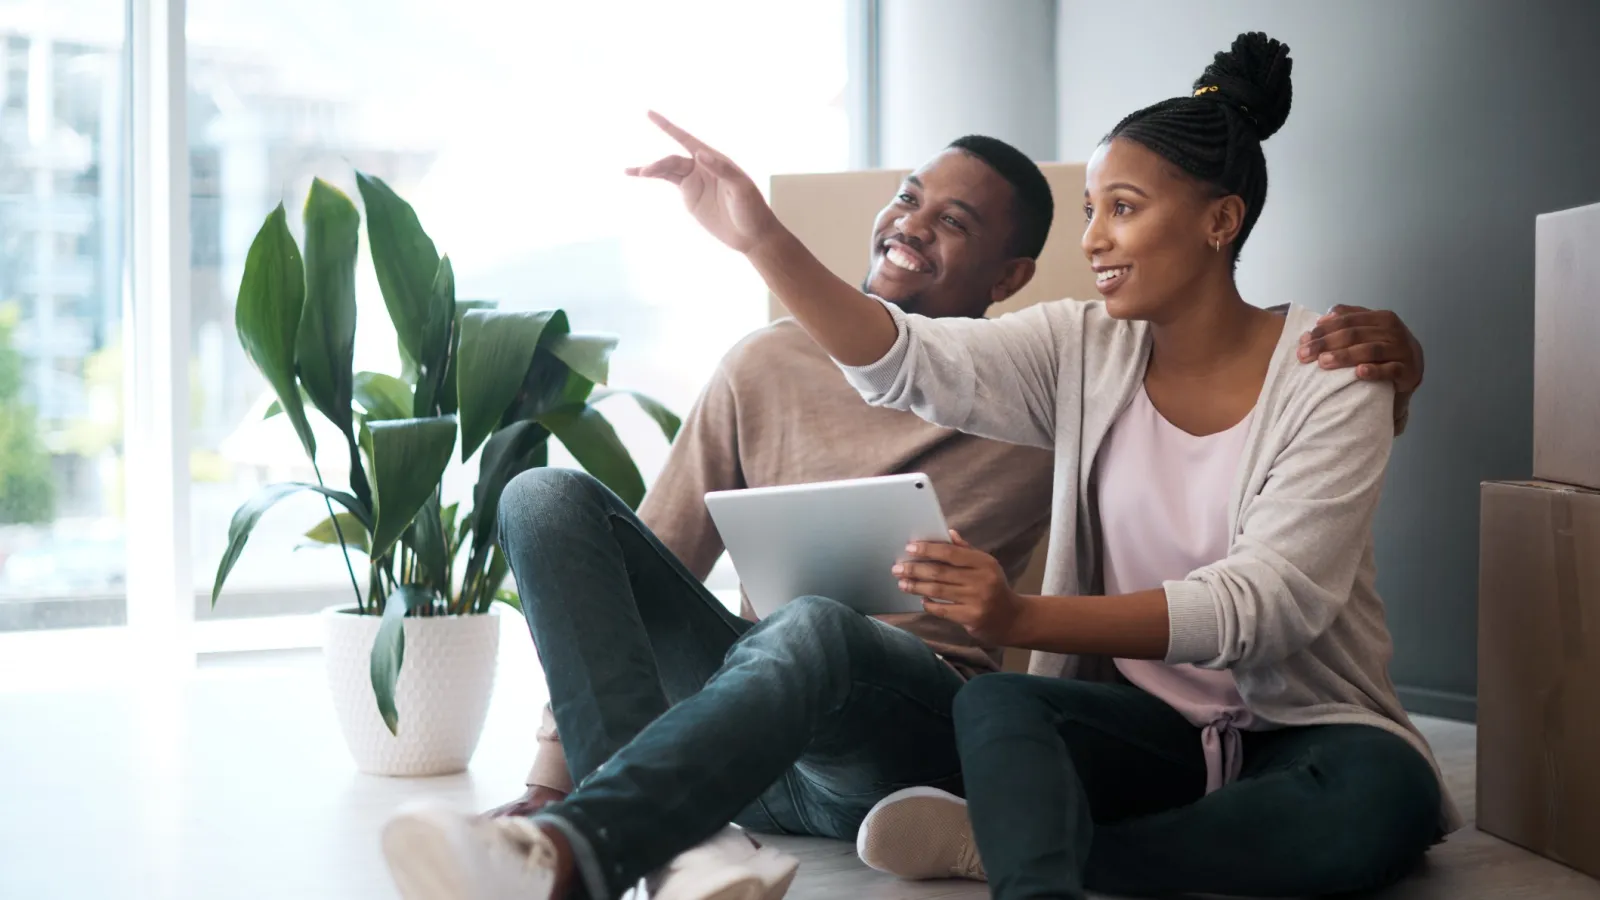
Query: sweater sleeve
x=995, y=378
x=1293, y=565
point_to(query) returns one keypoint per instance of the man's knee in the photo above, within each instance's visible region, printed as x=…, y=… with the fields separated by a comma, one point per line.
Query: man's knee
x=815, y=614
x=809, y=620
x=809, y=634
x=548, y=495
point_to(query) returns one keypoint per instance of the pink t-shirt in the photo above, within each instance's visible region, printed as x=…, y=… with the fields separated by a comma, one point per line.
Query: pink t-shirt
x=1163, y=497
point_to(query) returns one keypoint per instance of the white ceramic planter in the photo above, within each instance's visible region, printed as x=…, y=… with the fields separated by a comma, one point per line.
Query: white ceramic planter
x=442, y=695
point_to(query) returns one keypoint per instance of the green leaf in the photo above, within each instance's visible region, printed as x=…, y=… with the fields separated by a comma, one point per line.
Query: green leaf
x=655, y=409
x=577, y=389
x=250, y=512
x=441, y=313
x=549, y=385
x=464, y=528
x=405, y=260
x=437, y=345
x=384, y=397
x=408, y=366
x=497, y=353
x=447, y=518
x=595, y=445
x=364, y=439
x=499, y=568
x=448, y=394
x=506, y=455
x=275, y=408
x=389, y=648
x=408, y=458
x=355, y=533
x=509, y=452
x=326, y=344
x=587, y=354
x=426, y=539
x=271, y=297
x=509, y=598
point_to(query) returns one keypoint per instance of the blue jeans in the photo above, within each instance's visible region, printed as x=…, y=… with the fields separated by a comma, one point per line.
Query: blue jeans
x=677, y=716
x=1077, y=785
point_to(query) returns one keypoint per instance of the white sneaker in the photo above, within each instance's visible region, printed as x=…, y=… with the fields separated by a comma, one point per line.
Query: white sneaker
x=918, y=833
x=730, y=865
x=436, y=853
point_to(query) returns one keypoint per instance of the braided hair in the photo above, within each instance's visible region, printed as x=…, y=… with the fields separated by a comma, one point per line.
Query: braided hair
x=1215, y=134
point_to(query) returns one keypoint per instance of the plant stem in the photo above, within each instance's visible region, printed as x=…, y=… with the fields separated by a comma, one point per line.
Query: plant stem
x=375, y=587
x=361, y=607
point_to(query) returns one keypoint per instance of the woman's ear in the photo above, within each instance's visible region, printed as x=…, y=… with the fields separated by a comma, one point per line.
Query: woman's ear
x=1014, y=277
x=1226, y=220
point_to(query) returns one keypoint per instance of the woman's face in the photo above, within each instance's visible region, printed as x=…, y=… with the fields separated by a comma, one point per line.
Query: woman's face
x=1149, y=231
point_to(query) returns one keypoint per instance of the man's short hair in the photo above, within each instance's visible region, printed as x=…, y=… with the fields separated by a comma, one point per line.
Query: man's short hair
x=1036, y=206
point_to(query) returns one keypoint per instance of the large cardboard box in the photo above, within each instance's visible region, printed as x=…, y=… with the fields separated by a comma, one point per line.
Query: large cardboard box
x=1566, y=354
x=1539, y=669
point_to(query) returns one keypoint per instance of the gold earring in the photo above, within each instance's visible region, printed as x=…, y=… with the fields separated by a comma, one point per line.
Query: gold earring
x=1217, y=245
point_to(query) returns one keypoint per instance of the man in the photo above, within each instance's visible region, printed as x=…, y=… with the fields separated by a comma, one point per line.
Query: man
x=677, y=716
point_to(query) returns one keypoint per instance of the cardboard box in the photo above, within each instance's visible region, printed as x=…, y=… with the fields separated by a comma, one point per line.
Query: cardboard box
x=1539, y=669
x=1566, y=362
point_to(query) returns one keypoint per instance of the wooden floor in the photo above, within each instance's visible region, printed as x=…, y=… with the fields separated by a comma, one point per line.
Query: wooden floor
x=233, y=783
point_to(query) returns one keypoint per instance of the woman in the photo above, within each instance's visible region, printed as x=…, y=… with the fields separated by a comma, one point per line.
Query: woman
x=1211, y=541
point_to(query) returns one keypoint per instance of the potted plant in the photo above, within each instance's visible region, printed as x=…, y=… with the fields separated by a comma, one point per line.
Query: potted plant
x=411, y=663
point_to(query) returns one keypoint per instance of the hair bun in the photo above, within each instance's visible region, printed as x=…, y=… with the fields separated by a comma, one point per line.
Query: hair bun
x=1253, y=77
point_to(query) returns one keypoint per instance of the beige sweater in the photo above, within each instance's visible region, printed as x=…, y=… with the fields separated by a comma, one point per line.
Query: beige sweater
x=778, y=411
x=1293, y=609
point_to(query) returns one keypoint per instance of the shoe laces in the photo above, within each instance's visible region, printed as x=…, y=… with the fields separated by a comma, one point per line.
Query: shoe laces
x=968, y=864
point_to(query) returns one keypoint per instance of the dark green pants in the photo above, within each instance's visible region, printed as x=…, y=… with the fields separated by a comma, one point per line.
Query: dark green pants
x=1076, y=785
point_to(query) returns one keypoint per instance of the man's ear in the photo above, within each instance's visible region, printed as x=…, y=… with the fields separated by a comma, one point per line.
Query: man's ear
x=1014, y=277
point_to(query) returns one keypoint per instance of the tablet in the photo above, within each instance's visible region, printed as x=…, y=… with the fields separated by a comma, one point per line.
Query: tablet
x=835, y=539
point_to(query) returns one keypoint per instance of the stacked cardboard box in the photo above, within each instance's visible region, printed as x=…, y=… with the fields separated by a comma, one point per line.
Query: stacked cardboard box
x=1539, y=577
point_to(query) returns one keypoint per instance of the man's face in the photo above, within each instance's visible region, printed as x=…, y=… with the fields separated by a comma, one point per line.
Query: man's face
x=942, y=247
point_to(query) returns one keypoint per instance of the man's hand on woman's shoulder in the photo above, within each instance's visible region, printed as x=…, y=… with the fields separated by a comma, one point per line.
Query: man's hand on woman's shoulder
x=1376, y=343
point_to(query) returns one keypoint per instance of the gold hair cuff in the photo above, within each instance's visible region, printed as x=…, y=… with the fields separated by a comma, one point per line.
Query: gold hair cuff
x=1206, y=90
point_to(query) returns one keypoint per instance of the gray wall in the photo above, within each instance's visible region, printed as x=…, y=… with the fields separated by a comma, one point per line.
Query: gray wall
x=1425, y=136
x=952, y=67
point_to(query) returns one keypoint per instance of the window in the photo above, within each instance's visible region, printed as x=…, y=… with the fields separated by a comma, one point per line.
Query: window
x=61, y=126
x=507, y=126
